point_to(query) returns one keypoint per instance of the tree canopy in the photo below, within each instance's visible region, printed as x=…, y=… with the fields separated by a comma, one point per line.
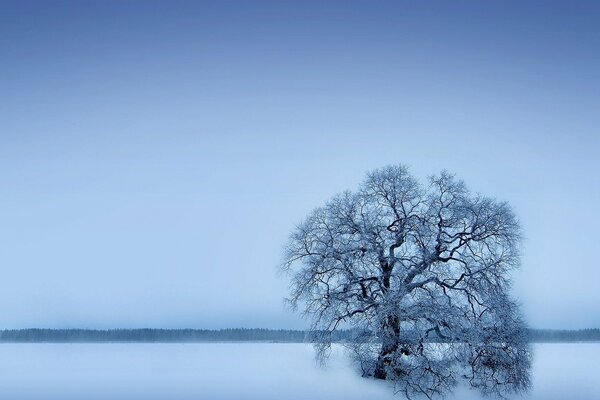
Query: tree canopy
x=422, y=274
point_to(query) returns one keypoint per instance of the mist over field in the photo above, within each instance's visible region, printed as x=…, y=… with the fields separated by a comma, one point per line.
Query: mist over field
x=241, y=371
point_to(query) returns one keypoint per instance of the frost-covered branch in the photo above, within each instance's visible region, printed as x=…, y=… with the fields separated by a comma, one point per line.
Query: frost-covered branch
x=396, y=256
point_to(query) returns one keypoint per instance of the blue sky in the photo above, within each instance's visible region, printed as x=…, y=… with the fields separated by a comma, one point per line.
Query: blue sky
x=154, y=156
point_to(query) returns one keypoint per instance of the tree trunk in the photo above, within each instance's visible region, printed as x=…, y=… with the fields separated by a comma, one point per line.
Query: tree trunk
x=390, y=341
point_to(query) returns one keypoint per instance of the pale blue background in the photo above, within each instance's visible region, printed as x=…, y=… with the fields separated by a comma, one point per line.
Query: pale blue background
x=155, y=155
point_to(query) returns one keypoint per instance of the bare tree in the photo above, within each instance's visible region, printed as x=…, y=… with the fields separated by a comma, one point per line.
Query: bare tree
x=421, y=273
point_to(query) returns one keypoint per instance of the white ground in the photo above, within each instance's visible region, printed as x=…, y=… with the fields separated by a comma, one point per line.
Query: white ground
x=241, y=371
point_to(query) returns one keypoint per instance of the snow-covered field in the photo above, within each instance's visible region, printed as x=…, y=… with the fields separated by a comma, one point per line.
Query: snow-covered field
x=241, y=371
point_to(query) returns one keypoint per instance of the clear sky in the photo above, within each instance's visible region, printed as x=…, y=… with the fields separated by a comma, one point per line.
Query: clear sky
x=154, y=156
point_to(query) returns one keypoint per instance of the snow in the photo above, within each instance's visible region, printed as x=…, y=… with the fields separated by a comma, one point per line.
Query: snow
x=242, y=371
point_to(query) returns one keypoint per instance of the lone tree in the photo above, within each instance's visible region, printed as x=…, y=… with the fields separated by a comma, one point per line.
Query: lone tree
x=420, y=274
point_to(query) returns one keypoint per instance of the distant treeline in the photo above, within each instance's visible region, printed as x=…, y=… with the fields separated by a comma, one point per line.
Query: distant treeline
x=152, y=335
x=563, y=335
x=230, y=335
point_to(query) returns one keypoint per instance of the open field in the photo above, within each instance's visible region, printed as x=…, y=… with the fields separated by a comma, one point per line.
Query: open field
x=241, y=371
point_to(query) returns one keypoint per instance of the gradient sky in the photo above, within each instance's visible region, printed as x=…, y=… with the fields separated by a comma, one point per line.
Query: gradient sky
x=154, y=156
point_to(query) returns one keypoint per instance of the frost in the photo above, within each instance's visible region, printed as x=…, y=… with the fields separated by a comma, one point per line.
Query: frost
x=421, y=273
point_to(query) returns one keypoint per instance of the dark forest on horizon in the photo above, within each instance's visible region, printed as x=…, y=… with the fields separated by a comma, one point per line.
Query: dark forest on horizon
x=150, y=335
